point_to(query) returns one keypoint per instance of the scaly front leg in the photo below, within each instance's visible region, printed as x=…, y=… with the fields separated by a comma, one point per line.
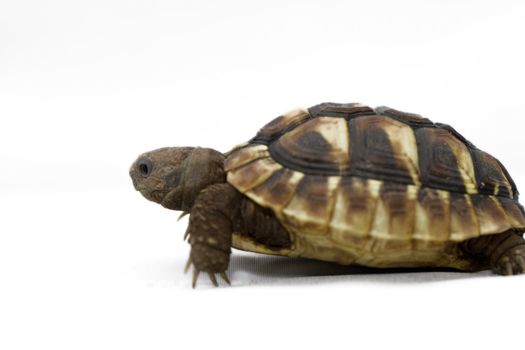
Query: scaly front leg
x=210, y=231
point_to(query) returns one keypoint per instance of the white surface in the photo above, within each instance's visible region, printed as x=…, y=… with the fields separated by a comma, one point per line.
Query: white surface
x=86, y=263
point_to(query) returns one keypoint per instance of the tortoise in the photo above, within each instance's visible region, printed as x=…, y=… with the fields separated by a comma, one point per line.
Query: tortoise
x=343, y=183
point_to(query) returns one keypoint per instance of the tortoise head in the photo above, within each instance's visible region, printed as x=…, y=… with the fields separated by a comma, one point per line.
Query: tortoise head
x=174, y=176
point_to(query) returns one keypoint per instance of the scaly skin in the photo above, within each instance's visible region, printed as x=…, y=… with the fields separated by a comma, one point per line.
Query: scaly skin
x=219, y=210
x=210, y=230
x=193, y=180
x=504, y=252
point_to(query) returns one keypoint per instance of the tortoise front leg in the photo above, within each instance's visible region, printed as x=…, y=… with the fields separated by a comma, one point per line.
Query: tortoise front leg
x=210, y=231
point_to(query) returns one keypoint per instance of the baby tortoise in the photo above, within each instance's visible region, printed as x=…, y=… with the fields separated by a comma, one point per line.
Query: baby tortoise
x=343, y=183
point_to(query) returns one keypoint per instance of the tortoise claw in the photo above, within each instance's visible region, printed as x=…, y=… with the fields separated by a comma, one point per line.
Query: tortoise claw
x=225, y=278
x=507, y=269
x=213, y=279
x=188, y=265
x=186, y=234
x=211, y=275
x=212, y=261
x=183, y=214
x=196, y=273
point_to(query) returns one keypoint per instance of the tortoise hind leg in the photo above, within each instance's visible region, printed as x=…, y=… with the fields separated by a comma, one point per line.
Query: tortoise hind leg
x=503, y=252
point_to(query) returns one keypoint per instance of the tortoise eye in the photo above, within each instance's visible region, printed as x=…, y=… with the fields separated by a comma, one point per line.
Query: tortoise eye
x=145, y=167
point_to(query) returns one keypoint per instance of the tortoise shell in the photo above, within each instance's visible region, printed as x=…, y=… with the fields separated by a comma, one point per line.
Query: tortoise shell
x=347, y=180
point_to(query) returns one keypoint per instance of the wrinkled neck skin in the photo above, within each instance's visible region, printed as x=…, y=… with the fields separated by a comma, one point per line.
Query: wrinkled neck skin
x=204, y=167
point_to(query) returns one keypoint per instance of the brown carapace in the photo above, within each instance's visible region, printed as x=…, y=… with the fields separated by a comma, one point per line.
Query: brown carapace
x=344, y=183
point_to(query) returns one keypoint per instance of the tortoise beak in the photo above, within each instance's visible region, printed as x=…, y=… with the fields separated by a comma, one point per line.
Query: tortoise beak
x=136, y=184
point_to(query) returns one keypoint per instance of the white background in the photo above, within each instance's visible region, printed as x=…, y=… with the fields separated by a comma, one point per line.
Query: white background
x=86, y=263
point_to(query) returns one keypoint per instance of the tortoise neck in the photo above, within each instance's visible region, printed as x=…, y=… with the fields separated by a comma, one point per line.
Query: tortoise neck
x=204, y=167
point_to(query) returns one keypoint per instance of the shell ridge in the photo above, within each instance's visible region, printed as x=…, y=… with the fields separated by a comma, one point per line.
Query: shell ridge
x=375, y=195
x=331, y=210
x=250, y=162
x=500, y=207
x=250, y=152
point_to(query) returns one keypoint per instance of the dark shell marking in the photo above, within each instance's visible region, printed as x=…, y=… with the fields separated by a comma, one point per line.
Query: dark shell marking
x=279, y=188
x=444, y=161
x=491, y=176
x=377, y=151
x=319, y=146
x=280, y=126
x=350, y=174
x=395, y=198
x=310, y=209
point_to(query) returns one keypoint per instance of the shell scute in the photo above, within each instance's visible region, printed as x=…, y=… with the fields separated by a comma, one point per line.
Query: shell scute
x=491, y=176
x=252, y=174
x=490, y=213
x=354, y=209
x=412, y=119
x=383, y=149
x=319, y=146
x=395, y=213
x=463, y=219
x=281, y=125
x=310, y=208
x=455, y=133
x=245, y=155
x=444, y=161
x=277, y=190
x=513, y=211
x=432, y=215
